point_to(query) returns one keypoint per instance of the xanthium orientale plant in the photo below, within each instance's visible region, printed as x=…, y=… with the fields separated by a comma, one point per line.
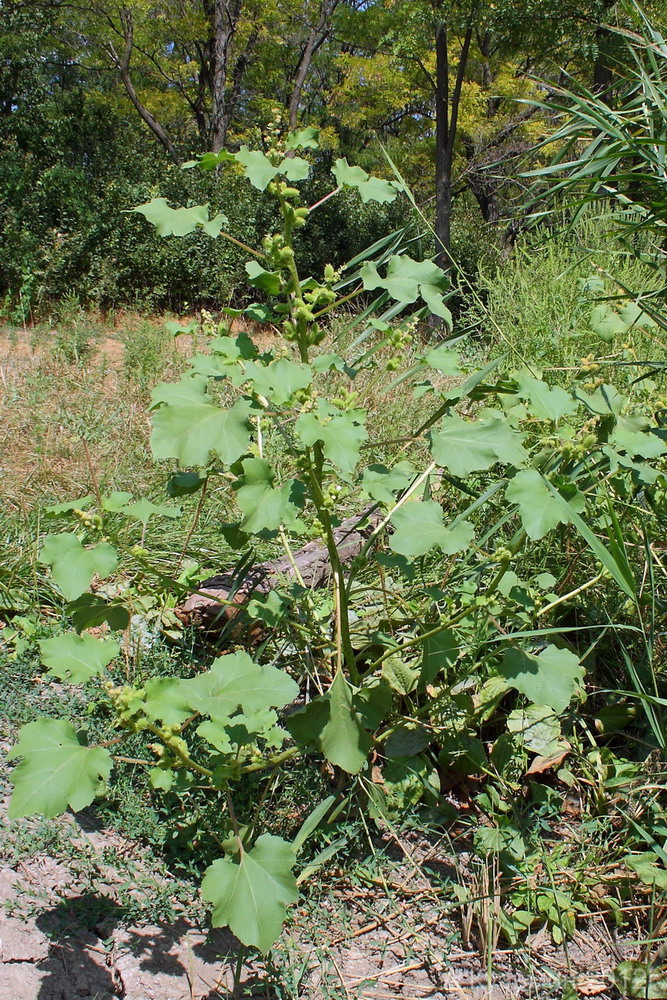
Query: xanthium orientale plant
x=510, y=463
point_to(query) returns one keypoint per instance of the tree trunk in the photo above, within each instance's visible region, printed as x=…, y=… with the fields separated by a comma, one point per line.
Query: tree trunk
x=446, y=118
x=225, y=16
x=602, y=72
x=317, y=35
x=122, y=63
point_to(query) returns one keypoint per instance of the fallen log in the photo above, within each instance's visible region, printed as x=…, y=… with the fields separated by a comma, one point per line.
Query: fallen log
x=205, y=610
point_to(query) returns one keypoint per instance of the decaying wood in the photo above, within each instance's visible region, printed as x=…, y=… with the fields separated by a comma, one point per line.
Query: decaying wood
x=312, y=562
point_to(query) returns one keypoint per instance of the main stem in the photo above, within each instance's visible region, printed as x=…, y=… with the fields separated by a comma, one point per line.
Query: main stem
x=315, y=464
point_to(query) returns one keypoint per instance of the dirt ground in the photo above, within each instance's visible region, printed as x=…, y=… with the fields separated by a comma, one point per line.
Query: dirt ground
x=51, y=948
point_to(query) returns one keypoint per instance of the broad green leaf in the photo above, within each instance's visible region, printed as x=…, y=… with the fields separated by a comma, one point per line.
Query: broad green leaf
x=649, y=869
x=188, y=390
x=241, y=730
x=90, y=611
x=180, y=221
x=233, y=348
x=538, y=727
x=305, y=138
x=73, y=566
x=407, y=781
x=116, y=500
x=369, y=188
x=250, y=893
x=406, y=740
x=216, y=734
x=176, y=328
x=444, y=360
x=605, y=399
x=419, y=527
x=546, y=403
x=373, y=702
x=381, y=483
x=279, y=380
x=191, y=432
x=607, y=323
x=143, y=509
x=294, y=168
x=408, y=279
x=540, y=511
x=306, y=724
x=183, y=484
x=550, y=678
x=235, y=681
x=342, y=432
x=440, y=653
x=633, y=315
x=77, y=658
x=258, y=168
x=632, y=435
x=264, y=506
x=271, y=608
x=400, y=676
x=165, y=700
x=69, y=505
x=462, y=752
x=465, y=446
x=325, y=362
x=268, y=281
x=57, y=770
x=161, y=778
x=343, y=740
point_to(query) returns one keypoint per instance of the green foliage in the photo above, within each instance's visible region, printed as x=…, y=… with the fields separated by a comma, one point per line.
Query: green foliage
x=58, y=770
x=73, y=566
x=551, y=677
x=250, y=894
x=77, y=658
x=428, y=652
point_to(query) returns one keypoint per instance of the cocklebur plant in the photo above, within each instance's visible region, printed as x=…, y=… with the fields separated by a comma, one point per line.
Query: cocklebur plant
x=386, y=663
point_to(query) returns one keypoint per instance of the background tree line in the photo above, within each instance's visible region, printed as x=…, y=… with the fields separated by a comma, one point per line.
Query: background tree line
x=101, y=103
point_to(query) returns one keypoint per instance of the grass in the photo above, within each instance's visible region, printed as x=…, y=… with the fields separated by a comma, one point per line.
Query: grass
x=537, y=308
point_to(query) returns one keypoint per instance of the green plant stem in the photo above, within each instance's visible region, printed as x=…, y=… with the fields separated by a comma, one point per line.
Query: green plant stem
x=297, y=295
x=244, y=246
x=191, y=764
x=315, y=463
x=265, y=765
x=572, y=593
x=455, y=619
x=339, y=302
x=235, y=825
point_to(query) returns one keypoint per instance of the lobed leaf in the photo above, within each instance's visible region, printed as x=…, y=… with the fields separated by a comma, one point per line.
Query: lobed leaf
x=236, y=681
x=250, y=894
x=180, y=221
x=342, y=432
x=465, y=446
x=419, y=527
x=73, y=566
x=57, y=770
x=550, y=678
x=539, y=509
x=192, y=431
x=77, y=658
